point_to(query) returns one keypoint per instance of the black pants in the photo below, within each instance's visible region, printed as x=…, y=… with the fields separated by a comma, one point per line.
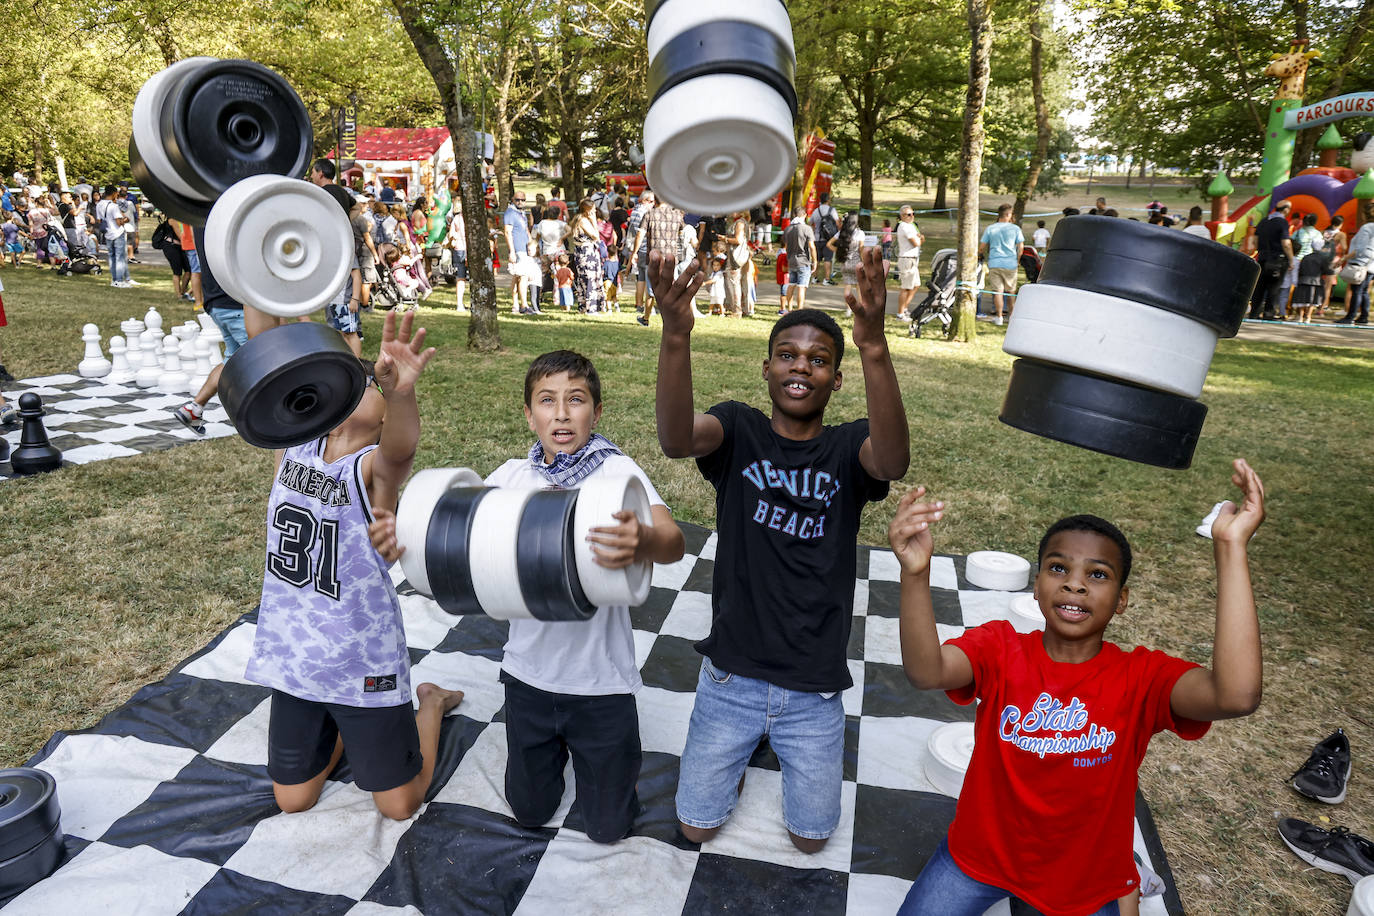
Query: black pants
x=1266, y=297
x=602, y=735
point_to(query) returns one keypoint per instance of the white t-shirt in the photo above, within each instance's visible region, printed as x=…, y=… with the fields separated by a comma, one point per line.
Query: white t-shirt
x=1199, y=230
x=908, y=240
x=592, y=657
x=458, y=232
x=549, y=233
x=1041, y=237
x=111, y=216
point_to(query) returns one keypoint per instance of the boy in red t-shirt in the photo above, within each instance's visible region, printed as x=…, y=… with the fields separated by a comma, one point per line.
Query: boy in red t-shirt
x=782, y=281
x=1066, y=717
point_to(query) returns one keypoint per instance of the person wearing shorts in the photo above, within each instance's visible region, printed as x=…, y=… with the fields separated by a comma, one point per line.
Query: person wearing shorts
x=799, y=242
x=1001, y=244
x=909, y=239
x=343, y=313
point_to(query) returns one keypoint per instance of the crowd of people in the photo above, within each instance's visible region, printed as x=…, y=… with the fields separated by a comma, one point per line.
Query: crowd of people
x=67, y=229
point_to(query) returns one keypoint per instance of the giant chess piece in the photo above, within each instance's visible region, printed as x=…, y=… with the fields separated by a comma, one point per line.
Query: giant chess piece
x=94, y=365
x=120, y=371
x=35, y=453
x=210, y=333
x=201, y=348
x=153, y=320
x=173, y=378
x=131, y=330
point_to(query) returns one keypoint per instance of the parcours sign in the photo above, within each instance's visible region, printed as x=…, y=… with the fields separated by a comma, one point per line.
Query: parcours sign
x=1354, y=105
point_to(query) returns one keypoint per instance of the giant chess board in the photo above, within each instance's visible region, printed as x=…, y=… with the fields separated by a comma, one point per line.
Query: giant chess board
x=90, y=420
x=167, y=807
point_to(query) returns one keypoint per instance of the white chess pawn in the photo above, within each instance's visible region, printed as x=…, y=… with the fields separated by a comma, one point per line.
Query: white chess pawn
x=94, y=365
x=201, y=371
x=148, y=373
x=153, y=320
x=152, y=348
x=214, y=339
x=132, y=329
x=173, y=378
x=120, y=372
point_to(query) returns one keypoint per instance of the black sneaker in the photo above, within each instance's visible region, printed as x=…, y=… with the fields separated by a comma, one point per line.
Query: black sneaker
x=1337, y=850
x=5, y=375
x=1327, y=770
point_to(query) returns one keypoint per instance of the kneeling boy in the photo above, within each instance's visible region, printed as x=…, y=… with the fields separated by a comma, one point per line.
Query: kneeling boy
x=330, y=641
x=1046, y=811
x=570, y=685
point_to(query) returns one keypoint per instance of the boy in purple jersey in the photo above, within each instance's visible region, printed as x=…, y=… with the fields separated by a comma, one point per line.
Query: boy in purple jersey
x=570, y=685
x=330, y=641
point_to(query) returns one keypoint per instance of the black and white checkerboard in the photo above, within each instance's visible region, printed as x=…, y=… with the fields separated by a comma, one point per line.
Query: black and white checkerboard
x=167, y=807
x=91, y=420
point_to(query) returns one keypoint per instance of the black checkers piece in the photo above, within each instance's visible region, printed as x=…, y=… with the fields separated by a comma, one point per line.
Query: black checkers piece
x=177, y=206
x=724, y=46
x=30, y=835
x=547, y=562
x=291, y=384
x=1171, y=270
x=447, y=544
x=230, y=119
x=1103, y=415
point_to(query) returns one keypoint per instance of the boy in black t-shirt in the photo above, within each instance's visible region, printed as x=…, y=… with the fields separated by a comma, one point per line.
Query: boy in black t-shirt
x=789, y=491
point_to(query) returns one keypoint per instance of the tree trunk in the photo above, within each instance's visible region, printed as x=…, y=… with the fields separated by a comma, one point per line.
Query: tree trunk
x=941, y=192
x=501, y=128
x=1042, y=113
x=483, y=331
x=971, y=165
x=865, y=177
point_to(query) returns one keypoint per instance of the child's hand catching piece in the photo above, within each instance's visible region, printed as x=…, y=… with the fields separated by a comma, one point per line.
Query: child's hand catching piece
x=909, y=532
x=1237, y=525
x=619, y=546
x=402, y=357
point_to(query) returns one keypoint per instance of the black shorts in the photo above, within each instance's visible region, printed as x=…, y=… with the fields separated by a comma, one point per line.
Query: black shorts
x=382, y=744
x=602, y=735
x=460, y=265
x=177, y=259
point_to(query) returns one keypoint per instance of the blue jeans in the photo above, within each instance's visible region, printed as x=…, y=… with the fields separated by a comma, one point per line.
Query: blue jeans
x=119, y=259
x=942, y=889
x=731, y=714
x=1357, y=300
x=799, y=276
x=230, y=324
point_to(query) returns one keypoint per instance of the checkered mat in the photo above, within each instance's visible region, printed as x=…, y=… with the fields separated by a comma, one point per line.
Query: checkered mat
x=167, y=807
x=90, y=420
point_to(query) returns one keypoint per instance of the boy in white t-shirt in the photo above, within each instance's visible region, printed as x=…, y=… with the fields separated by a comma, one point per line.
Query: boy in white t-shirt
x=570, y=685
x=1041, y=237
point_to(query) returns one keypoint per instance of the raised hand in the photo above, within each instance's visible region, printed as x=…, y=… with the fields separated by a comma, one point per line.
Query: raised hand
x=870, y=307
x=909, y=533
x=617, y=547
x=403, y=356
x=1237, y=525
x=675, y=296
x=382, y=533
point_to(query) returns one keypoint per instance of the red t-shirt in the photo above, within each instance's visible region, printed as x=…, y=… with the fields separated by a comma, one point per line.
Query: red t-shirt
x=782, y=268
x=1049, y=797
x=564, y=276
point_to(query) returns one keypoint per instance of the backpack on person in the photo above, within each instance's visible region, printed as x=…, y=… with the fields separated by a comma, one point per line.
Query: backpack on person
x=164, y=236
x=830, y=227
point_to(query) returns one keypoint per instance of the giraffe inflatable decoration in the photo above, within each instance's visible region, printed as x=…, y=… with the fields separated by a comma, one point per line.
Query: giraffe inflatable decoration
x=1291, y=70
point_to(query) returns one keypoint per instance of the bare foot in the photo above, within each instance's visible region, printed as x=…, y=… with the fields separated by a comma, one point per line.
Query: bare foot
x=433, y=693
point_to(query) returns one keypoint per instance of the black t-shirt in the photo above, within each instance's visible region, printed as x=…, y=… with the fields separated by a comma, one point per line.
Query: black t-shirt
x=619, y=217
x=787, y=520
x=214, y=295
x=1269, y=237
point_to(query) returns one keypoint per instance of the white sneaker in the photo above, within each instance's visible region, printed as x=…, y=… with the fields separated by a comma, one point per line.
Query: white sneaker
x=997, y=321
x=132, y=283
x=119, y=284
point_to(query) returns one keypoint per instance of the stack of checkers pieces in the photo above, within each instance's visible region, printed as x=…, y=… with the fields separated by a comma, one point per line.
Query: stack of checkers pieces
x=1117, y=335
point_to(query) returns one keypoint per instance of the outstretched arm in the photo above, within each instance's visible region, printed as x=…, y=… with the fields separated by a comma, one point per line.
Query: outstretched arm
x=887, y=452
x=928, y=665
x=1233, y=685
x=682, y=432
x=401, y=360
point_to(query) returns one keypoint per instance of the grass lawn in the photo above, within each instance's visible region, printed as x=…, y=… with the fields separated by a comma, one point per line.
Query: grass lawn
x=117, y=570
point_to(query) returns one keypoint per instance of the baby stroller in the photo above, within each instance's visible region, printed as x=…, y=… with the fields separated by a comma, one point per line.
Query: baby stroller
x=55, y=246
x=81, y=251
x=944, y=274
x=386, y=292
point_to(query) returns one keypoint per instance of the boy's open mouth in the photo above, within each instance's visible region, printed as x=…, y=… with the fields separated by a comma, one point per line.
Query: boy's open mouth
x=1073, y=613
x=563, y=436
x=797, y=388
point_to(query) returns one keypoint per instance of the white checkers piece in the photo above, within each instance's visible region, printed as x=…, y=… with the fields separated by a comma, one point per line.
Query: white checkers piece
x=719, y=142
x=1112, y=337
x=1204, y=528
x=414, y=511
x=597, y=502
x=279, y=244
x=994, y=569
x=1024, y=614
x=949, y=750
x=493, y=557
x=148, y=105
